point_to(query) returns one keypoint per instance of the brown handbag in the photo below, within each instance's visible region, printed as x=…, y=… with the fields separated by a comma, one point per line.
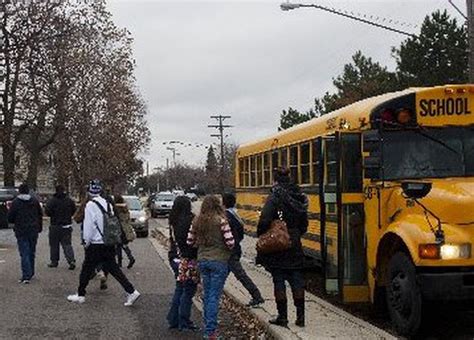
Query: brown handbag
x=275, y=239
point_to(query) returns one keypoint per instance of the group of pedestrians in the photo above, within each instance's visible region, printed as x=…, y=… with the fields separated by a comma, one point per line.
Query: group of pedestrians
x=203, y=248
x=95, y=215
x=207, y=248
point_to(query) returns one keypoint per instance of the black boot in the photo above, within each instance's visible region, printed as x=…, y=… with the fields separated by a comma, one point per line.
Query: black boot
x=298, y=297
x=282, y=308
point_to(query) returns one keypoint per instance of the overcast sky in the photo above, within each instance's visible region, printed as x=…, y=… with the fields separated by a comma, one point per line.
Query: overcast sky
x=247, y=59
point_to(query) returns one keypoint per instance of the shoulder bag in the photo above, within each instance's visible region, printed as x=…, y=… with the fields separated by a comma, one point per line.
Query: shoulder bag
x=276, y=238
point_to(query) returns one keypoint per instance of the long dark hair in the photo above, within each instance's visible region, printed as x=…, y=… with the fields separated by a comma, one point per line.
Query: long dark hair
x=209, y=217
x=180, y=212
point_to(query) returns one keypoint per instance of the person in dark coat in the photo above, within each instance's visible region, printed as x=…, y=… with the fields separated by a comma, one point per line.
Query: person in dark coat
x=286, y=201
x=180, y=220
x=237, y=227
x=27, y=216
x=61, y=208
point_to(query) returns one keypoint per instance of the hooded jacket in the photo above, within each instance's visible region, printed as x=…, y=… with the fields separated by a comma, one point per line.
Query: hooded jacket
x=287, y=199
x=26, y=215
x=60, y=208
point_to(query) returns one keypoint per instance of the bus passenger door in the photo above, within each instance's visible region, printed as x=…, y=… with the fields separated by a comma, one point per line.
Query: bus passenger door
x=327, y=175
x=352, y=258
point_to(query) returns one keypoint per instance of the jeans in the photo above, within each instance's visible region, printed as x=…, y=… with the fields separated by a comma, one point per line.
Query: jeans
x=60, y=236
x=239, y=272
x=27, y=248
x=293, y=276
x=180, y=311
x=213, y=274
x=100, y=254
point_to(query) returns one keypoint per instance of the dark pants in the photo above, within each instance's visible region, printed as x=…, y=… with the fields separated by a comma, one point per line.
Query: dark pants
x=293, y=276
x=179, y=315
x=60, y=236
x=27, y=248
x=239, y=272
x=100, y=254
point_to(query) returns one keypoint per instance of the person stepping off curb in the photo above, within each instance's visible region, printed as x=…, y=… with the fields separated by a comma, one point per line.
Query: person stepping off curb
x=237, y=227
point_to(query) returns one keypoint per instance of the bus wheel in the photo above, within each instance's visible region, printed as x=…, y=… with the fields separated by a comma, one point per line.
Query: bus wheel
x=403, y=295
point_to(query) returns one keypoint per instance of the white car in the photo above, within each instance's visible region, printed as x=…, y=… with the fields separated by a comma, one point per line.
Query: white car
x=162, y=203
x=138, y=215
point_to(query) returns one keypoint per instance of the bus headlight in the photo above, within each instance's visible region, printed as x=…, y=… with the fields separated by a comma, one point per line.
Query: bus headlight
x=455, y=251
x=142, y=219
x=435, y=251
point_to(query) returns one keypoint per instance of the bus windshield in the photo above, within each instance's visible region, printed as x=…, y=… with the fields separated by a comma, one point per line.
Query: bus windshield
x=428, y=153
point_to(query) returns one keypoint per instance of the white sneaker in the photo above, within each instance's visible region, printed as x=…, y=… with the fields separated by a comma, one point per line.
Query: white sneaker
x=131, y=298
x=76, y=298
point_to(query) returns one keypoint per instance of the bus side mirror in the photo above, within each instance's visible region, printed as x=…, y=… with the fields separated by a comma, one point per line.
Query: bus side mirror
x=372, y=144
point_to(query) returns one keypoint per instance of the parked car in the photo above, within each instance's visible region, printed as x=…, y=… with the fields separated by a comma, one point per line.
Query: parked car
x=7, y=195
x=138, y=215
x=192, y=196
x=162, y=204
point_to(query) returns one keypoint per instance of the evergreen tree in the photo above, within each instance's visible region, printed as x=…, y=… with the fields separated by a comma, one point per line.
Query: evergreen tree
x=363, y=78
x=291, y=117
x=437, y=56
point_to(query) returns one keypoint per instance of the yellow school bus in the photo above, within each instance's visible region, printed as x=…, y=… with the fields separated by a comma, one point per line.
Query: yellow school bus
x=390, y=181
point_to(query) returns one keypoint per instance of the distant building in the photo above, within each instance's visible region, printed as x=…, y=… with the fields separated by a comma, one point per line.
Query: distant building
x=46, y=170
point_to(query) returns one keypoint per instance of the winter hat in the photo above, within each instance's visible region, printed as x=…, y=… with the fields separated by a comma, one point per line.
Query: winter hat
x=95, y=187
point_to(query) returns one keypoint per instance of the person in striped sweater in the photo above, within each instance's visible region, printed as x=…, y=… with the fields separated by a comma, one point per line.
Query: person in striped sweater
x=212, y=235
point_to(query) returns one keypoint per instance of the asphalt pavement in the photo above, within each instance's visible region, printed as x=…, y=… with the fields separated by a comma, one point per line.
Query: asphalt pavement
x=40, y=310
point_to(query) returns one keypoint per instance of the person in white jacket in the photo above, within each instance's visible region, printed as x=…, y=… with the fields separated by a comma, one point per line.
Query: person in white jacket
x=96, y=252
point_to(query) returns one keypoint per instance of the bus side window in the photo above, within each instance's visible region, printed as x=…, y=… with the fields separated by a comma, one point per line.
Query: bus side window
x=284, y=158
x=331, y=163
x=253, y=171
x=305, y=163
x=266, y=168
x=294, y=163
x=241, y=172
x=259, y=170
x=316, y=160
x=275, y=161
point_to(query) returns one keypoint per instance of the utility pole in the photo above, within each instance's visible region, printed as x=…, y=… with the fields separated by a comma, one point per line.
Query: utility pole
x=221, y=127
x=470, y=35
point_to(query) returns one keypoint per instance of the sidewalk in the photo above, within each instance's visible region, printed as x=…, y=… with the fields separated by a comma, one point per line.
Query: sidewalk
x=323, y=320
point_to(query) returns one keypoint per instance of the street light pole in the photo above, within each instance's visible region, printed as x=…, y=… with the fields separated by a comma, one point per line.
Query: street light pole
x=288, y=6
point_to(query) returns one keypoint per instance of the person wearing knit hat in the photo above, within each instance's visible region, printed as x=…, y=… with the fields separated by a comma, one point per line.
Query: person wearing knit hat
x=96, y=252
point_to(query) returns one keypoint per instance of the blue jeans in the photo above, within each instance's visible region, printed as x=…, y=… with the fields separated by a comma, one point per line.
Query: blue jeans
x=179, y=315
x=27, y=249
x=214, y=274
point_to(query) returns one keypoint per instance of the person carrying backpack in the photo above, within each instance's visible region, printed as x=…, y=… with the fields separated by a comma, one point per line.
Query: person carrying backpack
x=99, y=228
x=237, y=227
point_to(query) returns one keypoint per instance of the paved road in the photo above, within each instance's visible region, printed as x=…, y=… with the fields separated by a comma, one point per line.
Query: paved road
x=40, y=310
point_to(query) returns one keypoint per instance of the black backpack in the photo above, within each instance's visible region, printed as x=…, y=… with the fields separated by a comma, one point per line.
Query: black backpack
x=112, y=234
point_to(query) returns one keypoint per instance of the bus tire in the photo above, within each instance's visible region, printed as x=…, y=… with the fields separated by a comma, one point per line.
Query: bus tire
x=404, y=302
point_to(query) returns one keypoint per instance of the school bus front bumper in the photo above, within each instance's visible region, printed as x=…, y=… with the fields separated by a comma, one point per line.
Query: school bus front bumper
x=447, y=284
